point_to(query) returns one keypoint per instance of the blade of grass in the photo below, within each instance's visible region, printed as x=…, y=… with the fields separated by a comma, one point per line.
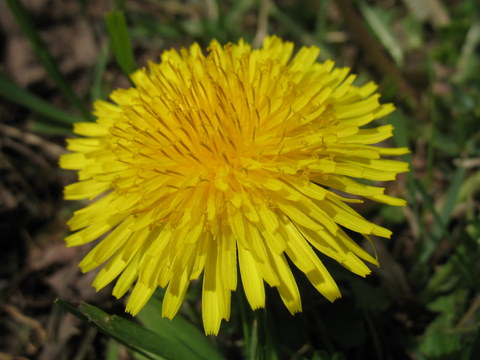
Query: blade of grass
x=373, y=334
x=439, y=282
x=434, y=119
x=242, y=305
x=452, y=196
x=375, y=51
x=179, y=330
x=74, y=310
x=465, y=63
x=120, y=5
x=298, y=30
x=129, y=333
x=234, y=15
x=428, y=202
x=442, y=218
x=120, y=40
x=465, y=260
x=112, y=350
x=379, y=26
x=400, y=134
x=145, y=27
x=273, y=345
x=470, y=188
x=253, y=343
x=13, y=92
x=41, y=126
x=268, y=347
x=86, y=343
x=475, y=347
x=44, y=56
x=97, y=91
x=429, y=243
x=321, y=20
x=400, y=137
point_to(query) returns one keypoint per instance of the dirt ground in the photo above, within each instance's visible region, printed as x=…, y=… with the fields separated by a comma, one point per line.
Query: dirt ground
x=35, y=266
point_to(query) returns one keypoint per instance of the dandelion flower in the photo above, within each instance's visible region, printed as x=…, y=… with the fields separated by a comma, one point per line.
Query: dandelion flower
x=236, y=158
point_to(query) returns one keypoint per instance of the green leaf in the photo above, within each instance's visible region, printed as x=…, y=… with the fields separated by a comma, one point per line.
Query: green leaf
x=451, y=201
x=379, y=23
x=440, y=338
x=470, y=187
x=98, y=92
x=323, y=355
x=267, y=344
x=400, y=137
x=13, y=92
x=148, y=28
x=120, y=41
x=41, y=51
x=369, y=297
x=298, y=30
x=112, y=350
x=132, y=335
x=120, y=4
x=178, y=330
x=466, y=65
x=42, y=126
x=442, y=219
x=475, y=347
x=440, y=280
x=400, y=134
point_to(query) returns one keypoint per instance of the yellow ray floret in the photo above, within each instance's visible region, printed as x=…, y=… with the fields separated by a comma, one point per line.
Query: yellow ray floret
x=225, y=160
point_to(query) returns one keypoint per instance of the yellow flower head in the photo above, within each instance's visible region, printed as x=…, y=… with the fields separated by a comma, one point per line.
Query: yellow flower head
x=229, y=157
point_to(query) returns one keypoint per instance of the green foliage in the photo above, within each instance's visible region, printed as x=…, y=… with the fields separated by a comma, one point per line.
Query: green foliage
x=21, y=96
x=43, y=55
x=380, y=22
x=152, y=345
x=178, y=330
x=441, y=339
x=120, y=41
